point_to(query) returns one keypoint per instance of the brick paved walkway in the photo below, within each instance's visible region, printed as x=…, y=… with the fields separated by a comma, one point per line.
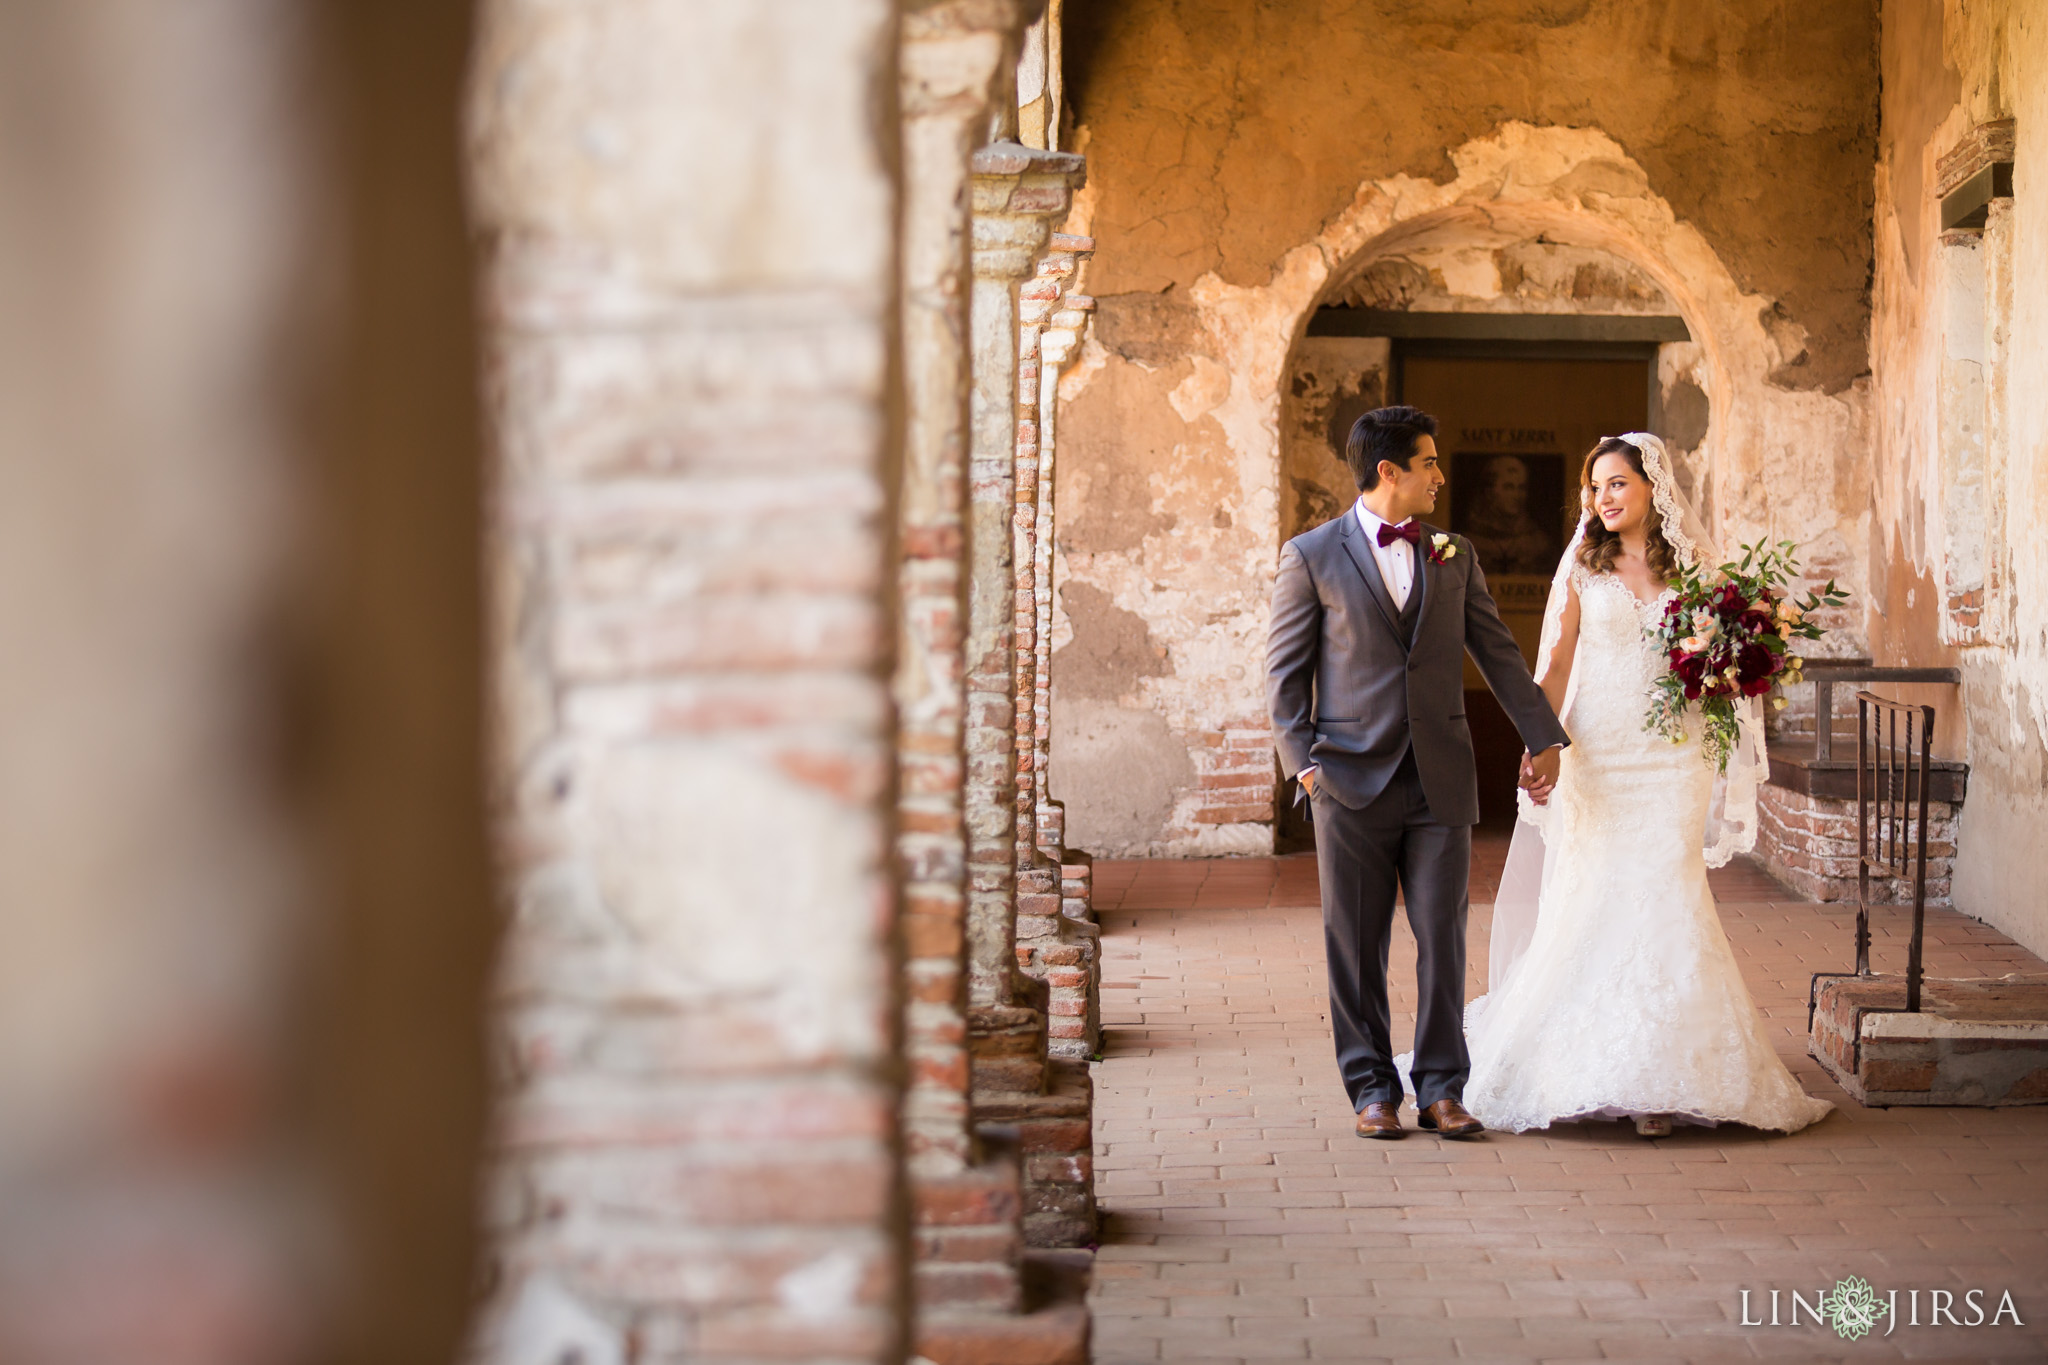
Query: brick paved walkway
x=1244, y=1221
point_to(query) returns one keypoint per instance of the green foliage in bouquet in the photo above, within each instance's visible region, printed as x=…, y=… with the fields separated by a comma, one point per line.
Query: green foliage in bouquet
x=1726, y=636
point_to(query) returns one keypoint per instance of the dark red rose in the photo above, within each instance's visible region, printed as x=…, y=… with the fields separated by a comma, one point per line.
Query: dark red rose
x=1731, y=602
x=1754, y=667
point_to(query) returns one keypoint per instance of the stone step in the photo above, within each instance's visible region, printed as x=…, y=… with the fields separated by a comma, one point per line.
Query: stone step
x=1974, y=1042
x=1007, y=1045
x=1053, y=1131
x=967, y=1233
x=1053, y=1329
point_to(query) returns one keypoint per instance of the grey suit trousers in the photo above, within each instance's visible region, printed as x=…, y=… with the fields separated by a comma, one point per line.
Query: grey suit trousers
x=1362, y=857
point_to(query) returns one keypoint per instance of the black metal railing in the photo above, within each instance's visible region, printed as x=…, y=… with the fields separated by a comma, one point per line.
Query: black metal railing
x=1824, y=674
x=1820, y=772
x=1894, y=748
x=1895, y=776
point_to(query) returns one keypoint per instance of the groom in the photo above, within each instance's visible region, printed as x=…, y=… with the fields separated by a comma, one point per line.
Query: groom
x=1372, y=616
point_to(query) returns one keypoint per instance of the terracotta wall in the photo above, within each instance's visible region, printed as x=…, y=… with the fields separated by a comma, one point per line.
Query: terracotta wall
x=1249, y=163
x=1959, y=493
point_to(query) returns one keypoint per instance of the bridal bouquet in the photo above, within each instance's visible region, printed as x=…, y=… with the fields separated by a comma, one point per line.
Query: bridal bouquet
x=1725, y=635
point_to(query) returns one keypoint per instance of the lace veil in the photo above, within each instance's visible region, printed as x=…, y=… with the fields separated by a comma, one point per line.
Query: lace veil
x=1732, y=816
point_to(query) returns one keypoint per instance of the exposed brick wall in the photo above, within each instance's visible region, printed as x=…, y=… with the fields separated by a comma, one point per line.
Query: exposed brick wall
x=1809, y=843
x=1234, y=773
x=693, y=389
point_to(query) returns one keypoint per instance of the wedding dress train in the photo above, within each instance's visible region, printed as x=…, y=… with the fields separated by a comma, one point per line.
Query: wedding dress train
x=1628, y=999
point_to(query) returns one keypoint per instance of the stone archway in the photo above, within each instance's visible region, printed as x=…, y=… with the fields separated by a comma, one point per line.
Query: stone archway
x=1467, y=266
x=1527, y=348
x=1192, y=596
x=1578, y=194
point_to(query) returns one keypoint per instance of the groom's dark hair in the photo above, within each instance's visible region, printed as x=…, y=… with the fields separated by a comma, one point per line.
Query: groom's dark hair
x=1384, y=434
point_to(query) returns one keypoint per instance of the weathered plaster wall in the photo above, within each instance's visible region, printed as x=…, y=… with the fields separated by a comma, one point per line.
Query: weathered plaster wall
x=1959, y=493
x=1250, y=162
x=1223, y=135
x=1172, y=492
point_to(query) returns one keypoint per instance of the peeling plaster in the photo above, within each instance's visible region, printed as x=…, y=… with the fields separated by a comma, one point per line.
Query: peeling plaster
x=1778, y=460
x=1959, y=485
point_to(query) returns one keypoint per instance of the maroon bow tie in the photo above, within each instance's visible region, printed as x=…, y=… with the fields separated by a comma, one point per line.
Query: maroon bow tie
x=1407, y=530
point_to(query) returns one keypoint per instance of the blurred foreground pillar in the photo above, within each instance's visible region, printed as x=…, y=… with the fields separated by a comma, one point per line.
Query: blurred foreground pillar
x=243, y=895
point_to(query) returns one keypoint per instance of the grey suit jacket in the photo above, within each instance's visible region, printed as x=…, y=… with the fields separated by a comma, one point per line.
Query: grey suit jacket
x=1351, y=693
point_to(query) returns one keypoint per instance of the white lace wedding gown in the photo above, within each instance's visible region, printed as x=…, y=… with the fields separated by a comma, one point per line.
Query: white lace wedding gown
x=1628, y=999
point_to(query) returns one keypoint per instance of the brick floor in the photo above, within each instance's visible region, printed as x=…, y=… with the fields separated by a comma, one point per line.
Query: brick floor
x=1244, y=1221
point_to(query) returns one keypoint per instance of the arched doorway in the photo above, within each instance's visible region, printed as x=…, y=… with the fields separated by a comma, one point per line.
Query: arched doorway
x=1527, y=348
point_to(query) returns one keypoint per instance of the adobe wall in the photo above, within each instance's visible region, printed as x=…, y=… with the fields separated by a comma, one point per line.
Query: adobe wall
x=1959, y=494
x=1246, y=165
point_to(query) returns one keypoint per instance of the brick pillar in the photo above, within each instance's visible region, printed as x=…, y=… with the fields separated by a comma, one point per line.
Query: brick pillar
x=245, y=905
x=1067, y=320
x=978, y=1296
x=953, y=60
x=693, y=308
x=1017, y=192
x=1033, y=302
x=1056, y=936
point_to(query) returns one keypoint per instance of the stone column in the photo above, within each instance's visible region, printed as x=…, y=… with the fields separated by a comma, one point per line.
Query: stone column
x=693, y=308
x=1054, y=318
x=1018, y=192
x=966, y=1189
x=1057, y=941
x=953, y=60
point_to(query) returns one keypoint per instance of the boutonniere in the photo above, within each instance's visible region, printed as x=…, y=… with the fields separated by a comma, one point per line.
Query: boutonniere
x=1441, y=548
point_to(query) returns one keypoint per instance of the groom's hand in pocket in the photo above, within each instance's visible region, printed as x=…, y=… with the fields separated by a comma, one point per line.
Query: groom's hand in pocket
x=1539, y=774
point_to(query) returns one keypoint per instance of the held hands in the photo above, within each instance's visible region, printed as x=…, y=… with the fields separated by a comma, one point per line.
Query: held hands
x=1539, y=774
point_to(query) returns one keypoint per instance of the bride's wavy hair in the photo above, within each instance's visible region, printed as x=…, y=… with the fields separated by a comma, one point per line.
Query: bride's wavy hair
x=1598, y=550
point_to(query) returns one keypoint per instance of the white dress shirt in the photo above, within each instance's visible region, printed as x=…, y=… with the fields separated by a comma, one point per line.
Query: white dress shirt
x=1396, y=560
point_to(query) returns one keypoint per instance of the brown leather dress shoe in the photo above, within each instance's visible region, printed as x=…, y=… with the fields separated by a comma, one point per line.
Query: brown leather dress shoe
x=1381, y=1120
x=1448, y=1118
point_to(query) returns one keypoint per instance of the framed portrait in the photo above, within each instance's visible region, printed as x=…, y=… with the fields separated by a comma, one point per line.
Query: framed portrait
x=1511, y=507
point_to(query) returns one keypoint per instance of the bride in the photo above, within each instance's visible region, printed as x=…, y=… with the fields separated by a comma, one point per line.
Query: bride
x=1614, y=992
